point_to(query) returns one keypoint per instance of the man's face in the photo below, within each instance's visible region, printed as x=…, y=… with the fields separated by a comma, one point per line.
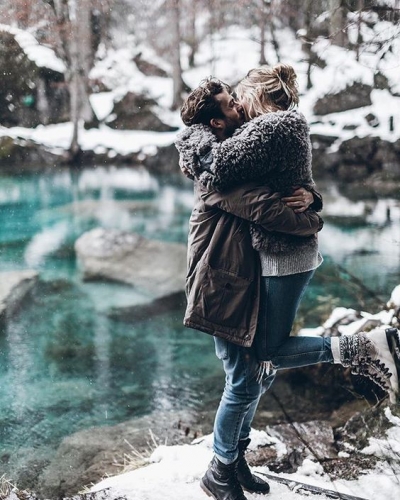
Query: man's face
x=232, y=111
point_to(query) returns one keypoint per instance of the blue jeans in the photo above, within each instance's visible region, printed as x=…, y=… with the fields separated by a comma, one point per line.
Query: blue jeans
x=280, y=298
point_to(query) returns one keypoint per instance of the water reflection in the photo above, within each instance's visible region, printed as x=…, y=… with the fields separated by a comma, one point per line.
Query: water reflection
x=20, y=367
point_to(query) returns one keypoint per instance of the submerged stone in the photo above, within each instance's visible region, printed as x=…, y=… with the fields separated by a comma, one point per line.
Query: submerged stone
x=14, y=286
x=156, y=268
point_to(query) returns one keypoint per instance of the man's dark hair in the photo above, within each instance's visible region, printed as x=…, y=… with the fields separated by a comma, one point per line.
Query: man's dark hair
x=200, y=105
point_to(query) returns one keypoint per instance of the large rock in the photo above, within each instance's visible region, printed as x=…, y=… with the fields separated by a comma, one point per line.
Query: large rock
x=166, y=160
x=16, y=94
x=14, y=286
x=135, y=112
x=157, y=268
x=86, y=456
x=354, y=96
x=18, y=155
x=323, y=160
x=360, y=157
x=148, y=68
x=300, y=439
x=33, y=88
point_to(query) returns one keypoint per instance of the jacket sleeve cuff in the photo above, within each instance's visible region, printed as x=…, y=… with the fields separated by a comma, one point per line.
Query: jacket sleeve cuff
x=317, y=204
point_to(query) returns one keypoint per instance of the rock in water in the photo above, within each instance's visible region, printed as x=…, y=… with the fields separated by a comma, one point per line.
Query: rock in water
x=14, y=285
x=157, y=268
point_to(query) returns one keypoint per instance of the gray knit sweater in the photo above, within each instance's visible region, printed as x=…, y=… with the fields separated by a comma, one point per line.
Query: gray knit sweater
x=274, y=149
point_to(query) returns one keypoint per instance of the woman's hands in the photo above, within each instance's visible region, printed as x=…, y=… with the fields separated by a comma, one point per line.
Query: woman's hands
x=299, y=200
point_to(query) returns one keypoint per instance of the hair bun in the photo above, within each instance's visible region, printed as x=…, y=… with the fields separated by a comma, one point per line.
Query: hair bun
x=285, y=73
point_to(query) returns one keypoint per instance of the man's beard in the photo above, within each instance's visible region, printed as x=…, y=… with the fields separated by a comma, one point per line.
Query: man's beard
x=231, y=126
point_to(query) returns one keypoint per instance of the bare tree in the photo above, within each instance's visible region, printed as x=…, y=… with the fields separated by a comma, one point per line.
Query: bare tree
x=76, y=36
x=178, y=84
x=263, y=11
x=338, y=30
x=192, y=32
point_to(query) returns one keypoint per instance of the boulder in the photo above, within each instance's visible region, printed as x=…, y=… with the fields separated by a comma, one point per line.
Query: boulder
x=156, y=268
x=14, y=286
x=381, y=81
x=300, y=439
x=323, y=160
x=166, y=160
x=135, y=112
x=359, y=150
x=353, y=96
x=86, y=456
x=387, y=158
x=20, y=155
x=33, y=88
x=148, y=68
x=17, y=98
x=361, y=157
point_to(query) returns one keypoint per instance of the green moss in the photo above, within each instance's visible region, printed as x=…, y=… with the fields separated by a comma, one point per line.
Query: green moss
x=6, y=147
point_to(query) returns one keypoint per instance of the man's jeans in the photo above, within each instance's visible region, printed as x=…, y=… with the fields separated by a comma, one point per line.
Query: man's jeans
x=280, y=298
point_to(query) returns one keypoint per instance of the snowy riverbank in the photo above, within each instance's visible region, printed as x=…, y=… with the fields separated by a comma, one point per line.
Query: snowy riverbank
x=173, y=472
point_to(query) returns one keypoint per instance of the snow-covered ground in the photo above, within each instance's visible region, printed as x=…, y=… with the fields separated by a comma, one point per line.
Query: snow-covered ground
x=174, y=472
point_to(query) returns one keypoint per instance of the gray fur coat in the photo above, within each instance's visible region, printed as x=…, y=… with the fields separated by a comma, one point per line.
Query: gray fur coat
x=274, y=149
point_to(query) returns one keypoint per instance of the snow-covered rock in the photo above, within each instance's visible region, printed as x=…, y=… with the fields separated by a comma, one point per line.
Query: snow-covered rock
x=14, y=286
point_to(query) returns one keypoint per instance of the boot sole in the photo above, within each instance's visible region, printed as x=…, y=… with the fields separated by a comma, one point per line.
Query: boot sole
x=393, y=340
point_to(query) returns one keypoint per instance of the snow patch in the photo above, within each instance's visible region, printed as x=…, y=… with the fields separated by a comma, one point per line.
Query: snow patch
x=41, y=55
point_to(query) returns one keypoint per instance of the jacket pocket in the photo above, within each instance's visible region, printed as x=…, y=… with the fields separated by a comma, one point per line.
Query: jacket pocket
x=224, y=298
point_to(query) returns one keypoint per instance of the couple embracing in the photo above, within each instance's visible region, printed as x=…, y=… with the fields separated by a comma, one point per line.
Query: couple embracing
x=252, y=250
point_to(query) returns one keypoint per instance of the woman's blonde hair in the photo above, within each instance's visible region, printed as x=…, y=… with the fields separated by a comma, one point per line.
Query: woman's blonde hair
x=268, y=89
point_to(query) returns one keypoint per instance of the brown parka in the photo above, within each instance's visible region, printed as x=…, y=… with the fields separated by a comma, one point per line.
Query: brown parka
x=223, y=279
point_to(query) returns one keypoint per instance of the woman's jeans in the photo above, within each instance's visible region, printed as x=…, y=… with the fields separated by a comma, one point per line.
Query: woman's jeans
x=280, y=298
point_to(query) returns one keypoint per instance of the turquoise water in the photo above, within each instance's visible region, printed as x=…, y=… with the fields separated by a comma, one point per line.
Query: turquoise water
x=65, y=365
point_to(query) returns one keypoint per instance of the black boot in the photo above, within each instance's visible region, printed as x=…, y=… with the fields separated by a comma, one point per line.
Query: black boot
x=220, y=481
x=249, y=482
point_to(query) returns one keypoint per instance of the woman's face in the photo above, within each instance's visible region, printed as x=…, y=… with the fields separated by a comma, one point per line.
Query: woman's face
x=245, y=106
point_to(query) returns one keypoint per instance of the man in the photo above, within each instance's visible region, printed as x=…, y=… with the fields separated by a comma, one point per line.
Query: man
x=223, y=287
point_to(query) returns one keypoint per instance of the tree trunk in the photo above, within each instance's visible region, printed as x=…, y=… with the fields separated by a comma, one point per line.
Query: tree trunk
x=359, y=22
x=73, y=84
x=42, y=101
x=275, y=44
x=338, y=31
x=74, y=21
x=262, y=17
x=307, y=46
x=178, y=85
x=192, y=38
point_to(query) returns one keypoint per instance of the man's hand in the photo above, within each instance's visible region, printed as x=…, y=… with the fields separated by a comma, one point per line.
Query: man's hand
x=299, y=200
